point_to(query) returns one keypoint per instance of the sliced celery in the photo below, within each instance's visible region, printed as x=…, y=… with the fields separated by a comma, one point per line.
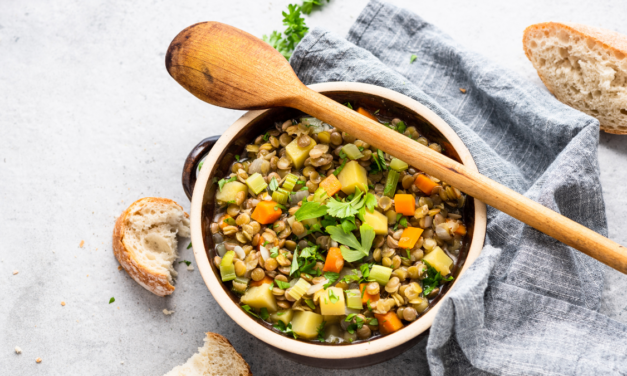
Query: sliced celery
x=228, y=258
x=391, y=183
x=227, y=272
x=280, y=196
x=353, y=299
x=380, y=274
x=299, y=289
x=320, y=195
x=256, y=183
x=290, y=182
x=352, y=151
x=242, y=280
x=398, y=165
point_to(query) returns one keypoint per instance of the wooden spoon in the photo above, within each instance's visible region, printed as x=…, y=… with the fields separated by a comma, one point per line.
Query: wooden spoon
x=230, y=68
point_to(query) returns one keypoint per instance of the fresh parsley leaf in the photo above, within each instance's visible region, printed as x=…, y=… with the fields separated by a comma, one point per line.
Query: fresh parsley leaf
x=310, y=303
x=263, y=313
x=370, y=202
x=345, y=209
x=403, y=222
x=348, y=224
x=188, y=263
x=365, y=271
x=266, y=136
x=368, y=304
x=111, y=300
x=274, y=252
x=381, y=158
x=281, y=313
x=230, y=202
x=359, y=250
x=373, y=322
x=412, y=58
x=351, y=277
x=433, y=279
x=304, y=189
x=400, y=127
x=274, y=185
x=309, y=210
x=332, y=297
x=280, y=325
x=249, y=311
x=339, y=169
x=221, y=182
x=300, y=182
x=271, y=286
x=376, y=112
x=229, y=221
x=200, y=165
x=328, y=221
x=332, y=277
x=321, y=331
x=408, y=253
x=348, y=104
x=294, y=267
x=282, y=285
x=279, y=206
x=190, y=245
x=237, y=157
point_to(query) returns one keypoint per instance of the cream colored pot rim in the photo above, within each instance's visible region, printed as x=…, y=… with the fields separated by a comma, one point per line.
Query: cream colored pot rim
x=311, y=349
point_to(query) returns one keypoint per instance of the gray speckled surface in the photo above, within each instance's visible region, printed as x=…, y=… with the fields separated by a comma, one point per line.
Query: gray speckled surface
x=91, y=121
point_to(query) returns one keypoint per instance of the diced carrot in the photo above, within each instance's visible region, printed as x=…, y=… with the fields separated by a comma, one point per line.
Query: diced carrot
x=335, y=261
x=461, y=230
x=425, y=184
x=367, y=114
x=331, y=185
x=409, y=237
x=221, y=222
x=265, y=281
x=266, y=212
x=365, y=297
x=388, y=323
x=405, y=204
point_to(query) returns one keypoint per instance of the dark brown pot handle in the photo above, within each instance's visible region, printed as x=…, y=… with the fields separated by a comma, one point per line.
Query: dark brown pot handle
x=191, y=163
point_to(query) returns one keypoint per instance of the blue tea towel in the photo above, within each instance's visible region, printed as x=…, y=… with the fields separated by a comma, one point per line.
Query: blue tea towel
x=529, y=304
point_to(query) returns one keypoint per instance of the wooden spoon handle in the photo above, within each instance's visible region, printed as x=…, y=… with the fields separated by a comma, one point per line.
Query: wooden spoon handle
x=464, y=179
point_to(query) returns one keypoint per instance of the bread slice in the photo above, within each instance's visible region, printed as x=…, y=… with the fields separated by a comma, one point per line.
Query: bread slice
x=584, y=67
x=144, y=242
x=216, y=358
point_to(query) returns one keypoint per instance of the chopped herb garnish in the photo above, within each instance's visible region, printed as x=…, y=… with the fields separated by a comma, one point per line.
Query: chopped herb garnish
x=281, y=313
x=249, y=311
x=263, y=313
x=339, y=169
x=341, y=209
x=274, y=185
x=222, y=182
x=111, y=300
x=274, y=252
x=229, y=221
x=400, y=127
x=348, y=104
x=188, y=263
x=266, y=136
x=237, y=157
x=433, y=279
x=282, y=285
x=310, y=303
x=190, y=245
x=294, y=267
x=279, y=206
x=310, y=210
x=368, y=304
x=357, y=250
x=332, y=277
x=376, y=112
x=332, y=297
x=304, y=189
x=271, y=286
x=321, y=331
x=373, y=322
x=412, y=58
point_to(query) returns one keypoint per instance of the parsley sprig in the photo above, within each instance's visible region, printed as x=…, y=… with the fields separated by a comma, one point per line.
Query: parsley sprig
x=433, y=279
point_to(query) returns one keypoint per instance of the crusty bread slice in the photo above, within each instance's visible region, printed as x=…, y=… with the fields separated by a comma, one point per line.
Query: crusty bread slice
x=584, y=67
x=144, y=242
x=216, y=358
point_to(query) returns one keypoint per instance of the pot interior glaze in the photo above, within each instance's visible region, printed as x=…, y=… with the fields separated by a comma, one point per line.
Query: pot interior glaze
x=244, y=131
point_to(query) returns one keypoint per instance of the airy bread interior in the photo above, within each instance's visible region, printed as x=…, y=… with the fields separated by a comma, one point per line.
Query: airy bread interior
x=216, y=358
x=581, y=72
x=151, y=233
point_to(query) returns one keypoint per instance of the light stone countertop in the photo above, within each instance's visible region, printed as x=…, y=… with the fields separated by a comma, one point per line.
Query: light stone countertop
x=90, y=121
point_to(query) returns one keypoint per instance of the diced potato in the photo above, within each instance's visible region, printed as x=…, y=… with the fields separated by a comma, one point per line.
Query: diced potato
x=328, y=306
x=230, y=190
x=305, y=324
x=285, y=316
x=378, y=221
x=310, y=222
x=353, y=175
x=439, y=260
x=296, y=154
x=259, y=297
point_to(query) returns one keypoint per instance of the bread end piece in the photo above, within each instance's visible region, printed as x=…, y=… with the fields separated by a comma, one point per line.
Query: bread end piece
x=584, y=67
x=216, y=358
x=145, y=244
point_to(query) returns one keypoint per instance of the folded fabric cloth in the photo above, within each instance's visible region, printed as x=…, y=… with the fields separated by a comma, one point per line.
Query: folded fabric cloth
x=529, y=304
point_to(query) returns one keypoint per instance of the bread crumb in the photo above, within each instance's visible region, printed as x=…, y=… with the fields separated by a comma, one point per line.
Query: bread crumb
x=18, y=350
x=15, y=272
x=38, y=360
x=166, y=312
x=190, y=267
x=462, y=90
x=119, y=267
x=82, y=244
x=63, y=304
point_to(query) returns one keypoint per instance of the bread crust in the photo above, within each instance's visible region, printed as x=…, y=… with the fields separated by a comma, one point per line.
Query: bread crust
x=609, y=40
x=157, y=283
x=219, y=338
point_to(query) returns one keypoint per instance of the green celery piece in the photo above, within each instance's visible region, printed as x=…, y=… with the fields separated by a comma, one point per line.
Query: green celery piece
x=256, y=183
x=227, y=272
x=228, y=258
x=352, y=151
x=391, y=183
x=380, y=274
x=290, y=182
x=398, y=165
x=353, y=299
x=279, y=197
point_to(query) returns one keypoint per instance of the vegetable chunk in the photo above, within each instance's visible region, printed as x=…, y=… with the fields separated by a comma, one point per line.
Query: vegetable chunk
x=388, y=323
x=425, y=184
x=298, y=155
x=353, y=175
x=405, y=204
x=439, y=260
x=378, y=221
x=305, y=324
x=230, y=191
x=331, y=185
x=260, y=297
x=266, y=212
x=334, y=262
x=332, y=302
